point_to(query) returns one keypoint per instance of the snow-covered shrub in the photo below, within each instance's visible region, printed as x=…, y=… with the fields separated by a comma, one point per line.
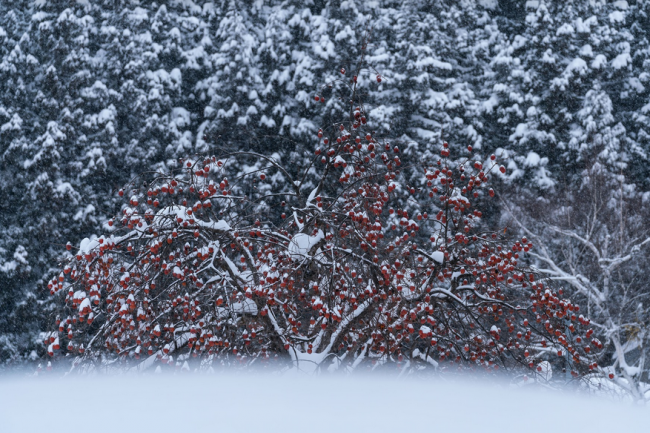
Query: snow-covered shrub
x=357, y=258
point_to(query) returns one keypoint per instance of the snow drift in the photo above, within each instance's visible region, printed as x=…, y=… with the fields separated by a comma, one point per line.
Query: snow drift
x=291, y=403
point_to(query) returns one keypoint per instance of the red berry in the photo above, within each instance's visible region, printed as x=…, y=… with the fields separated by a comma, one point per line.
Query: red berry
x=379, y=78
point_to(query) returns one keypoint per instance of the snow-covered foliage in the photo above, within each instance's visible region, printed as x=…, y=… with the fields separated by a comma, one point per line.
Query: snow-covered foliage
x=93, y=94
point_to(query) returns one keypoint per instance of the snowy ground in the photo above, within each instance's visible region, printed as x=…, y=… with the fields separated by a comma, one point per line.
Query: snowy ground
x=263, y=403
